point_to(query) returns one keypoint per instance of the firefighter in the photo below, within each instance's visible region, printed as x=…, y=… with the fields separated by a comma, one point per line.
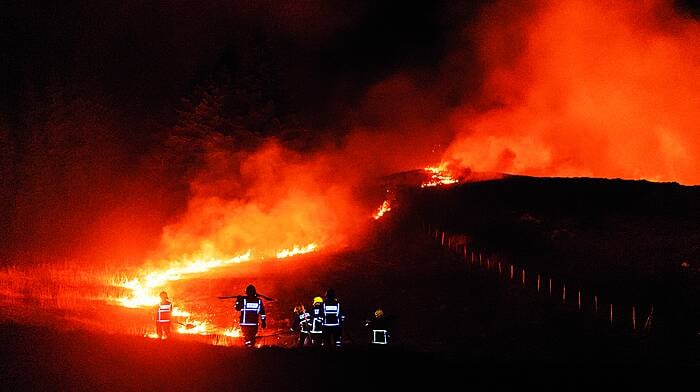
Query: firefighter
x=302, y=322
x=163, y=312
x=333, y=318
x=378, y=328
x=316, y=331
x=252, y=310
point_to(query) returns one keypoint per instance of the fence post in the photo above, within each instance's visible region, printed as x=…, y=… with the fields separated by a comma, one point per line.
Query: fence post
x=579, y=299
x=634, y=319
x=442, y=240
x=550, y=287
x=538, y=282
x=500, y=268
x=511, y=272
x=523, y=277
x=563, y=293
x=595, y=303
x=611, y=313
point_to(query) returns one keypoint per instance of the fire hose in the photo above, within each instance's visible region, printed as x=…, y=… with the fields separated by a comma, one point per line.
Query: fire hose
x=243, y=296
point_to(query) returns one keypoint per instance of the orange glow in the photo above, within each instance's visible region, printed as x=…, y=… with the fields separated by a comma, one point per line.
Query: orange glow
x=585, y=88
x=200, y=328
x=439, y=175
x=383, y=209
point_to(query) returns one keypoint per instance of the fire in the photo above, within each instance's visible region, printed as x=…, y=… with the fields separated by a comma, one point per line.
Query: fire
x=143, y=288
x=439, y=175
x=200, y=328
x=232, y=332
x=296, y=250
x=585, y=88
x=383, y=209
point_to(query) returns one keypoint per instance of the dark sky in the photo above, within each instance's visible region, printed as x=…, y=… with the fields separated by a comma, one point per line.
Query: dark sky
x=143, y=56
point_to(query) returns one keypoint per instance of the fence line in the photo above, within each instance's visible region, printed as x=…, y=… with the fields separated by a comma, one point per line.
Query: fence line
x=459, y=245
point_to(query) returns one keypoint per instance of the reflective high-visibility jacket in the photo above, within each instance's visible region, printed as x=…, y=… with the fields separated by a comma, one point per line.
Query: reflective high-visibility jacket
x=332, y=314
x=317, y=319
x=251, y=308
x=302, y=320
x=379, y=330
x=164, y=311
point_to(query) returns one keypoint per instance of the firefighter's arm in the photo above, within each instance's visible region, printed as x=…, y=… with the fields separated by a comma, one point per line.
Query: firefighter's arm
x=263, y=317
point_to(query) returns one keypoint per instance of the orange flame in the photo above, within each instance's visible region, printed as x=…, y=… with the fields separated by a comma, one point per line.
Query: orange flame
x=383, y=209
x=143, y=288
x=440, y=175
x=297, y=250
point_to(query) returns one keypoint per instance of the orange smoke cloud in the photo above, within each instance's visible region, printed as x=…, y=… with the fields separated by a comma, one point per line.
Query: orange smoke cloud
x=582, y=88
x=267, y=201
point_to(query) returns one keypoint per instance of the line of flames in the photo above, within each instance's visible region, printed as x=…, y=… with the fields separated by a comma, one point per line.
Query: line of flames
x=440, y=175
x=143, y=288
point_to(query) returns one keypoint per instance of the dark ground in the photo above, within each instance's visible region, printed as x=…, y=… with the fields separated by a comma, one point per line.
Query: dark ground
x=453, y=321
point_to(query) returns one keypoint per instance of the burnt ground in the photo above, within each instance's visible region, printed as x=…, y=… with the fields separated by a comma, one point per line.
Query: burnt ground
x=453, y=320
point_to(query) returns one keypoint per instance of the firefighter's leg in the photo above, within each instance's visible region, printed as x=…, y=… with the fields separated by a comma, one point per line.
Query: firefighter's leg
x=337, y=337
x=159, y=330
x=248, y=337
x=166, y=330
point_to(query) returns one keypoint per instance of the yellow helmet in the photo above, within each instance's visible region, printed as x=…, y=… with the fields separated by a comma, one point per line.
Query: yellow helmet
x=378, y=313
x=318, y=300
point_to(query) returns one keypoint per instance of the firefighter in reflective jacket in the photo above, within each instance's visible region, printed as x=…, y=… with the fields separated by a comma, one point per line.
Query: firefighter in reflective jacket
x=163, y=313
x=378, y=327
x=333, y=318
x=302, y=323
x=316, y=332
x=252, y=310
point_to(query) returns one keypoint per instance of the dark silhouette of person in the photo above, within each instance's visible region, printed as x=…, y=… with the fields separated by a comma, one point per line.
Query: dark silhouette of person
x=252, y=310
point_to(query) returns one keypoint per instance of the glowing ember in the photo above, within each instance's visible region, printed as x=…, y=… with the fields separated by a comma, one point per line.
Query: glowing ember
x=383, y=209
x=296, y=250
x=440, y=175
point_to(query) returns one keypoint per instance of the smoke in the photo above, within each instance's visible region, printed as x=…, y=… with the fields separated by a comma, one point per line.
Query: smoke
x=581, y=88
x=264, y=201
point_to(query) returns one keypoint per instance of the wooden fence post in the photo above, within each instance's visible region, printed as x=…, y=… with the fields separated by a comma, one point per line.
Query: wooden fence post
x=611, y=314
x=538, y=282
x=579, y=299
x=563, y=293
x=595, y=304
